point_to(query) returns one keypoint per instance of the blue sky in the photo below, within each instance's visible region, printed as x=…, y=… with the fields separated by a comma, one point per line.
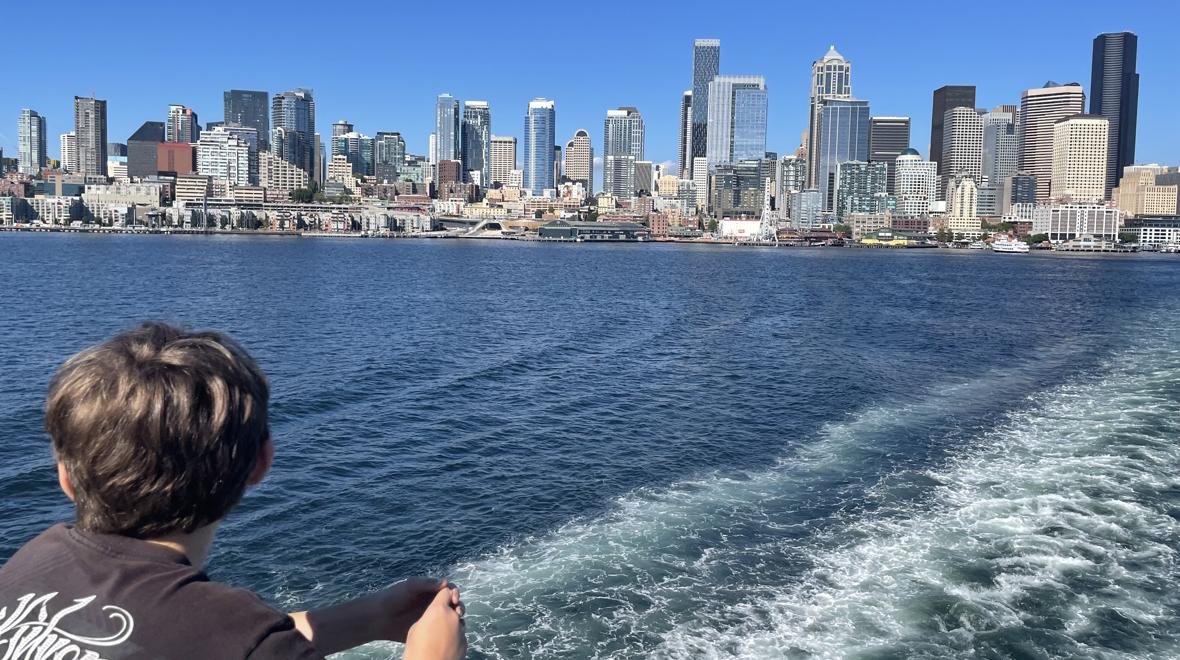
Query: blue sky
x=380, y=65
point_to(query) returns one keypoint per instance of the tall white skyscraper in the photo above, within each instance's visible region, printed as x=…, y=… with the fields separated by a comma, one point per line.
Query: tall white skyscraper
x=916, y=184
x=1080, y=159
x=1040, y=110
x=962, y=144
x=579, y=160
x=225, y=156
x=623, y=137
x=69, y=151
x=503, y=158
x=831, y=78
x=31, y=142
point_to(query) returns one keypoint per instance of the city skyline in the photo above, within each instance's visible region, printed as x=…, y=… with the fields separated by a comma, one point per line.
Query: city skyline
x=884, y=75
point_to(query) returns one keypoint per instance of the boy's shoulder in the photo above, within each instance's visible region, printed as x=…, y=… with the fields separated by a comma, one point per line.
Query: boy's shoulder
x=121, y=598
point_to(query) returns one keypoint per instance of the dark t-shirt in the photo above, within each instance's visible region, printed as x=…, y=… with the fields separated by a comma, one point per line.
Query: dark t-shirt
x=118, y=597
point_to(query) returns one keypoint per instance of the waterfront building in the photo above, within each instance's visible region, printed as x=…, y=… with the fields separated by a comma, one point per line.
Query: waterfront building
x=739, y=188
x=68, y=143
x=962, y=202
x=31, y=142
x=706, y=65
x=623, y=138
x=831, y=79
x=1114, y=94
x=685, y=135
x=1141, y=193
x=845, y=125
x=248, y=108
x=806, y=209
x=279, y=177
x=193, y=188
x=477, y=142
x=226, y=157
x=540, y=123
x=90, y=129
x=142, y=156
x=1040, y=110
x=579, y=160
x=293, y=135
x=999, y=145
x=1079, y=159
x=916, y=182
x=389, y=153
x=962, y=145
x=182, y=125
x=736, y=119
x=124, y=194
x=503, y=158
x=1062, y=222
x=860, y=188
x=946, y=98
x=888, y=138
x=1155, y=231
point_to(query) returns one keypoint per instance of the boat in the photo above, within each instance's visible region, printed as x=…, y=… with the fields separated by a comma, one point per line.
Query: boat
x=1088, y=243
x=977, y=245
x=1009, y=245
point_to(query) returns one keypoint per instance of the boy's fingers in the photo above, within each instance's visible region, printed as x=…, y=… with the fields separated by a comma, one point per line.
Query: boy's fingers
x=442, y=598
x=454, y=595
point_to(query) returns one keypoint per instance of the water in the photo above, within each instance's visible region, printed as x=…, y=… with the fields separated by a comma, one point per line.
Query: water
x=658, y=451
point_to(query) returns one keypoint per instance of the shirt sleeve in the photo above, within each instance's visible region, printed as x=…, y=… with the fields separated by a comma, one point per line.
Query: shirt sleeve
x=284, y=642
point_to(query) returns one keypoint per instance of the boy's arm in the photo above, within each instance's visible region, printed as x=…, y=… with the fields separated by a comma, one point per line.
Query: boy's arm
x=383, y=615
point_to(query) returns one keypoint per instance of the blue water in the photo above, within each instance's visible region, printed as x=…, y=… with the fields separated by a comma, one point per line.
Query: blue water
x=633, y=451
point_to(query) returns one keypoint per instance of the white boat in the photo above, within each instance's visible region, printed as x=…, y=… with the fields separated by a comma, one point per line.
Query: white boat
x=1009, y=245
x=977, y=245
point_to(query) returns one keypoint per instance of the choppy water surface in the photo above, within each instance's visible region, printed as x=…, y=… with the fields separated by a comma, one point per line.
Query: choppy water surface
x=671, y=452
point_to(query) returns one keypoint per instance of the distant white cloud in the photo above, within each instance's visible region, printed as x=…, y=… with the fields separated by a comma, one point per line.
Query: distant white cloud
x=598, y=161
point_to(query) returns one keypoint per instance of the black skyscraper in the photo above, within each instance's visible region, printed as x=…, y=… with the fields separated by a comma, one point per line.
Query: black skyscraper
x=249, y=109
x=1114, y=94
x=945, y=98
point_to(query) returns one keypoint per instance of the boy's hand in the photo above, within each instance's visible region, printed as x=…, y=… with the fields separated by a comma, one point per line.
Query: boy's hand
x=404, y=603
x=439, y=633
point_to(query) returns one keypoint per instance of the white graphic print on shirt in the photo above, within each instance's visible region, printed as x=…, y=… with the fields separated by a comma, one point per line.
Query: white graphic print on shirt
x=31, y=630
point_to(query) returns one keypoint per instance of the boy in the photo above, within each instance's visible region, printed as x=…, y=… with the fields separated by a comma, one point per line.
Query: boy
x=157, y=433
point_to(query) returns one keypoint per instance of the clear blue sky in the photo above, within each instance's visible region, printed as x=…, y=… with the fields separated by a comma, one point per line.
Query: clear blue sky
x=380, y=65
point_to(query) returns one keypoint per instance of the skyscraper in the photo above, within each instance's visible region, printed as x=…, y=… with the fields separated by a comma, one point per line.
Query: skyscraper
x=447, y=136
x=1080, y=145
x=225, y=156
x=623, y=138
x=540, y=122
x=142, y=154
x=503, y=158
x=579, y=160
x=357, y=149
x=845, y=126
x=706, y=64
x=1114, y=94
x=90, y=130
x=293, y=134
x=888, y=137
x=945, y=98
x=248, y=108
x=389, y=153
x=182, y=125
x=860, y=188
x=831, y=79
x=31, y=142
x=477, y=142
x=916, y=184
x=1040, y=109
x=68, y=142
x=999, y=145
x=341, y=127
x=962, y=144
x=685, y=135
x=736, y=120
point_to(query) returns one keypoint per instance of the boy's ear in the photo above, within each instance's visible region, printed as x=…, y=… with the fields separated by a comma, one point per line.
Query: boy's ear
x=63, y=480
x=263, y=465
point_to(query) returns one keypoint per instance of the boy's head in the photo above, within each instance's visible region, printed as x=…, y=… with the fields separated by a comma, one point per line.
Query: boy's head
x=158, y=430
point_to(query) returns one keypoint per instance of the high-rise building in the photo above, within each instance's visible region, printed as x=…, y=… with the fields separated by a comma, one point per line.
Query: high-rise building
x=557, y=162
x=831, y=79
x=477, y=142
x=1018, y=189
x=962, y=144
x=946, y=98
x=999, y=145
x=341, y=127
x=806, y=209
x=579, y=160
x=737, y=189
x=1079, y=159
x=540, y=123
x=293, y=134
x=1114, y=94
x=389, y=152
x=623, y=139
x=142, y=156
x=685, y=135
x=845, y=125
x=68, y=143
x=116, y=150
x=962, y=205
x=447, y=130
x=1040, y=110
x=182, y=125
x=503, y=158
x=706, y=64
x=736, y=119
x=357, y=148
x=90, y=130
x=916, y=184
x=644, y=179
x=1142, y=191
x=175, y=158
x=31, y=142
x=790, y=176
x=860, y=188
x=249, y=108
x=224, y=156
x=888, y=137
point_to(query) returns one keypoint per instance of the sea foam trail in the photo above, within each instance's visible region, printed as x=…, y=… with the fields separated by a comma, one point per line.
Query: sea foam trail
x=733, y=566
